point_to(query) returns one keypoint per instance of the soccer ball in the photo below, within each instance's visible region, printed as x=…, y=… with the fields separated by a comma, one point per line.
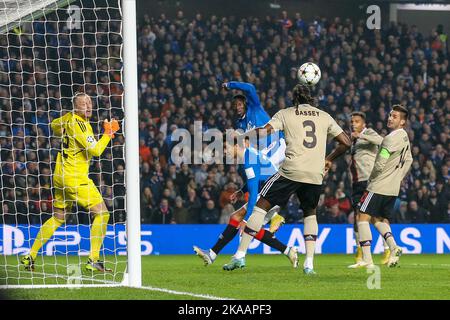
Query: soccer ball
x=309, y=74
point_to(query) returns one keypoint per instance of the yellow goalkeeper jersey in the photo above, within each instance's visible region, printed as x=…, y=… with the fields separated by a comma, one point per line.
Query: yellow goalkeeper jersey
x=78, y=147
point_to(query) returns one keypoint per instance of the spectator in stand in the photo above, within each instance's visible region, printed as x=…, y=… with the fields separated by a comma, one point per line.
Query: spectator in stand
x=144, y=151
x=181, y=213
x=163, y=214
x=194, y=205
x=415, y=213
x=209, y=214
x=147, y=205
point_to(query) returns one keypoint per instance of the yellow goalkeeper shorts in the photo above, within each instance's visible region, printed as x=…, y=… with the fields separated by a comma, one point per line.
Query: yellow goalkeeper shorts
x=86, y=195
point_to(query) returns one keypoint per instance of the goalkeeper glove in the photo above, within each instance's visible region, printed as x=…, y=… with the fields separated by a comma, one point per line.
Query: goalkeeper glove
x=111, y=127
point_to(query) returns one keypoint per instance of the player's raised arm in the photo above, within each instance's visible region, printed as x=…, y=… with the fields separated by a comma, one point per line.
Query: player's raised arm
x=259, y=132
x=87, y=140
x=371, y=136
x=249, y=90
x=276, y=123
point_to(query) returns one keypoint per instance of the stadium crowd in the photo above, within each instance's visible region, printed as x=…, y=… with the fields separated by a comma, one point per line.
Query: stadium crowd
x=182, y=64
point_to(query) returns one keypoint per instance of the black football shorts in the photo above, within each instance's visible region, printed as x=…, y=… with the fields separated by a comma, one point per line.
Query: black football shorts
x=278, y=189
x=377, y=205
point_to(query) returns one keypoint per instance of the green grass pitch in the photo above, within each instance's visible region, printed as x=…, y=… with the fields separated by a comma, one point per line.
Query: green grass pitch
x=265, y=277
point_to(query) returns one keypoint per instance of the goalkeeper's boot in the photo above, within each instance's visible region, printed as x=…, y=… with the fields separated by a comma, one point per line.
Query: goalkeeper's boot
x=28, y=262
x=235, y=264
x=276, y=223
x=386, y=255
x=394, y=257
x=293, y=256
x=361, y=264
x=358, y=255
x=204, y=255
x=96, y=266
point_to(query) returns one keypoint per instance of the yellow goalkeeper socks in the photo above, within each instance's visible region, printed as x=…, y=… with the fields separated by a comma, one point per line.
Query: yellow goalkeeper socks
x=98, y=232
x=46, y=232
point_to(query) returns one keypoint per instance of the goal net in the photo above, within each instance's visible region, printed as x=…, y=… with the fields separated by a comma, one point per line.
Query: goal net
x=49, y=51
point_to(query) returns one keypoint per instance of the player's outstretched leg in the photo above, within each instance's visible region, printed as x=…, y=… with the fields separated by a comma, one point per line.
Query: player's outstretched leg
x=46, y=232
x=268, y=238
x=231, y=230
x=98, y=232
x=208, y=256
x=395, y=251
x=252, y=228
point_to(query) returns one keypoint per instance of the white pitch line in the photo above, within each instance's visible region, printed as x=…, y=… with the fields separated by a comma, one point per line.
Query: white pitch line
x=203, y=296
x=105, y=283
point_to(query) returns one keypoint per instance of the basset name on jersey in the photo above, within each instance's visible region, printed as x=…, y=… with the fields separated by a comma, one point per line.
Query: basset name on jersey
x=311, y=113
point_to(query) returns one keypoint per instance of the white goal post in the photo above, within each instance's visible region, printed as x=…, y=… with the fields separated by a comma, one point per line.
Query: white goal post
x=132, y=142
x=107, y=66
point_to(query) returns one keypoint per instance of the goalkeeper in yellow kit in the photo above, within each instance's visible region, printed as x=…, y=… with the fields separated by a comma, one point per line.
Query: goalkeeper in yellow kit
x=71, y=181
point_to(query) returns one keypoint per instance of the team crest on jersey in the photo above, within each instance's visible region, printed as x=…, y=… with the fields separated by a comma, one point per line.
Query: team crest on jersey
x=250, y=173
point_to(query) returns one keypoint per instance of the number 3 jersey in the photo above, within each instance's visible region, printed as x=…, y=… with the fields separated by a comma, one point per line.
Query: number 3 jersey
x=391, y=164
x=77, y=149
x=306, y=133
